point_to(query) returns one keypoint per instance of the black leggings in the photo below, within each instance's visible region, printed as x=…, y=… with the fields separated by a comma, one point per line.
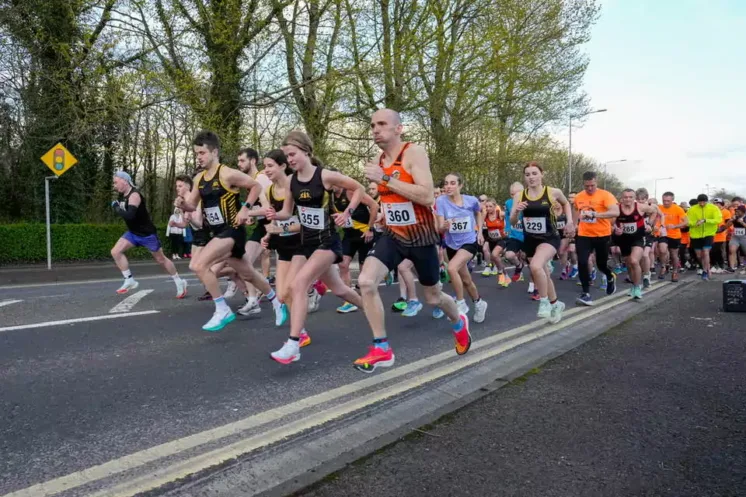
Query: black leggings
x=584, y=246
x=716, y=255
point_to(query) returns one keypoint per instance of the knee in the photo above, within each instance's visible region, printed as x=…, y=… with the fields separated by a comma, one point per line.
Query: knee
x=453, y=267
x=196, y=266
x=344, y=266
x=115, y=252
x=367, y=283
x=432, y=295
x=536, y=266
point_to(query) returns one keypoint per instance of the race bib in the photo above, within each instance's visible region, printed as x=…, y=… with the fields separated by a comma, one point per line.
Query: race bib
x=348, y=223
x=214, y=216
x=588, y=219
x=312, y=217
x=629, y=228
x=739, y=232
x=461, y=225
x=561, y=225
x=286, y=225
x=518, y=226
x=663, y=231
x=494, y=234
x=399, y=214
x=535, y=225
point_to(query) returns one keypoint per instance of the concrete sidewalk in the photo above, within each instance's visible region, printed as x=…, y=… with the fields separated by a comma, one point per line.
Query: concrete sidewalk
x=657, y=406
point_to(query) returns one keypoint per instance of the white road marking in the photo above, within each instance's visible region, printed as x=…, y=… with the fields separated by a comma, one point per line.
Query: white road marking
x=8, y=302
x=146, y=456
x=76, y=320
x=127, y=304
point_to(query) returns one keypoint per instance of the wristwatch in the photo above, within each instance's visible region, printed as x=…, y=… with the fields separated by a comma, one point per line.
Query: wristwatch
x=385, y=179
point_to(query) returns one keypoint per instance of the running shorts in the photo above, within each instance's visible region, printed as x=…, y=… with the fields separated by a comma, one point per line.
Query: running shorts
x=472, y=248
x=513, y=245
x=530, y=244
x=425, y=259
x=150, y=242
x=702, y=243
x=239, y=240
x=673, y=243
x=626, y=243
x=332, y=243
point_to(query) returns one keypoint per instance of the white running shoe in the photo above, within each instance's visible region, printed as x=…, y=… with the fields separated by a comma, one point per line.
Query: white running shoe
x=250, y=308
x=531, y=287
x=219, y=320
x=545, y=309
x=463, y=308
x=290, y=352
x=230, y=290
x=129, y=284
x=181, y=288
x=314, y=299
x=556, y=314
x=480, y=309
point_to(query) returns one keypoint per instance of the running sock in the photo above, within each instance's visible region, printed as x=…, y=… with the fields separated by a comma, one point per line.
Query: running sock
x=476, y=300
x=176, y=277
x=127, y=274
x=220, y=304
x=544, y=299
x=553, y=301
x=271, y=295
x=403, y=292
x=462, y=301
x=295, y=339
x=382, y=343
x=458, y=326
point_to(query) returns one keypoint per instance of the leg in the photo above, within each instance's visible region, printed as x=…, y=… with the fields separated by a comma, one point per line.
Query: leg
x=164, y=261
x=539, y=271
x=662, y=257
x=333, y=280
x=674, y=255
x=406, y=275
x=601, y=249
x=468, y=282
x=211, y=254
x=584, y=248
x=282, y=280
x=497, y=258
x=344, y=270
x=305, y=272
x=117, y=253
x=266, y=262
x=633, y=265
x=371, y=275
x=459, y=260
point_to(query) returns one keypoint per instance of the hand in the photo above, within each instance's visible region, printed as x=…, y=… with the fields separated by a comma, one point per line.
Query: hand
x=480, y=238
x=271, y=213
x=368, y=236
x=171, y=223
x=569, y=228
x=700, y=222
x=671, y=227
x=265, y=241
x=114, y=204
x=520, y=206
x=447, y=225
x=618, y=230
x=179, y=201
x=273, y=229
x=648, y=228
x=373, y=172
x=340, y=219
x=243, y=217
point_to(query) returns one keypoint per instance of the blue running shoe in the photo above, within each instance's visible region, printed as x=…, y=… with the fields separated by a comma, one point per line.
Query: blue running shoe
x=438, y=313
x=413, y=308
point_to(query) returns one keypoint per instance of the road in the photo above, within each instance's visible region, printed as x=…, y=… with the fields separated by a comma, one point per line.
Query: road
x=655, y=407
x=102, y=385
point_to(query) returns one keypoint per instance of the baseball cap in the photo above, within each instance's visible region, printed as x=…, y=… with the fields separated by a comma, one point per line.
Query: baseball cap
x=125, y=176
x=718, y=200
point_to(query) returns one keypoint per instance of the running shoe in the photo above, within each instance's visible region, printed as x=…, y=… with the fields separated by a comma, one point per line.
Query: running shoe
x=281, y=314
x=250, y=308
x=675, y=277
x=487, y=271
x=129, y=284
x=618, y=270
x=573, y=273
x=219, y=320
x=646, y=281
x=230, y=290
x=389, y=278
x=556, y=315
x=638, y=293
x=705, y=276
x=399, y=305
x=699, y=271
x=480, y=310
x=493, y=272
x=518, y=274
x=730, y=270
x=346, y=308
x=611, y=285
x=631, y=292
x=535, y=296
x=584, y=299
x=463, y=307
x=304, y=339
x=545, y=309
x=412, y=309
x=503, y=280
x=438, y=313
x=470, y=266
x=604, y=283
x=375, y=358
x=563, y=275
x=321, y=287
x=204, y=297
x=271, y=280
x=462, y=339
x=444, y=276
x=314, y=300
x=531, y=287
x=550, y=267
x=290, y=352
x=181, y=288
x=662, y=275
x=594, y=273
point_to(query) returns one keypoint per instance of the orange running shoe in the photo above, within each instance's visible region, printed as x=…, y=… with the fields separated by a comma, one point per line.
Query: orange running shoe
x=304, y=339
x=462, y=339
x=375, y=357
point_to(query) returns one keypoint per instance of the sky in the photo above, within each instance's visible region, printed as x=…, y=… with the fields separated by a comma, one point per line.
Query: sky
x=672, y=75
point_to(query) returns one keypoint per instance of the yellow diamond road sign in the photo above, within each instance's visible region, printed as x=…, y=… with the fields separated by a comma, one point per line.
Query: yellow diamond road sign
x=59, y=159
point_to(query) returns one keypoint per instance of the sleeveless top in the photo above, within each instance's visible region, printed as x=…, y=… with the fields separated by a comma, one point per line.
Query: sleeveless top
x=219, y=203
x=632, y=224
x=494, y=227
x=359, y=218
x=314, y=207
x=141, y=225
x=410, y=224
x=538, y=218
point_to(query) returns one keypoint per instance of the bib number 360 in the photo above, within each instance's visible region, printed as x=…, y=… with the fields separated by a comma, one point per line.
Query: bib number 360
x=400, y=214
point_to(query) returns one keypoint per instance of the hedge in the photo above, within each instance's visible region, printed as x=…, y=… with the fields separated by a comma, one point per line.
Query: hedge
x=27, y=243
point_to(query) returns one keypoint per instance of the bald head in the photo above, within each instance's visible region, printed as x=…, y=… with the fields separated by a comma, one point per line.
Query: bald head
x=516, y=187
x=389, y=115
x=386, y=126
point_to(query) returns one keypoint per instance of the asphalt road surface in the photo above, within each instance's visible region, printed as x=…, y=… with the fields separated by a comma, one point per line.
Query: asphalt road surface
x=655, y=407
x=99, y=385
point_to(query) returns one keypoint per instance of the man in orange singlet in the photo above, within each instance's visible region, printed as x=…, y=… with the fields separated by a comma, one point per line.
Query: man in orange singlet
x=405, y=184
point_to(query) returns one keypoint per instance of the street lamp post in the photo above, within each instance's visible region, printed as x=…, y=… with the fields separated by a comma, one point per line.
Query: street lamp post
x=569, y=147
x=610, y=162
x=655, y=191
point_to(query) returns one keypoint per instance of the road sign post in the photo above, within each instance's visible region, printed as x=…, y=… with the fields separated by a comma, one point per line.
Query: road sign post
x=59, y=161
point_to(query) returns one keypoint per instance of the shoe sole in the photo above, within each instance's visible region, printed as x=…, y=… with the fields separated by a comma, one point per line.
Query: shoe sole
x=484, y=315
x=583, y=302
x=285, y=362
x=222, y=325
x=347, y=311
x=372, y=367
x=468, y=332
x=133, y=287
x=285, y=315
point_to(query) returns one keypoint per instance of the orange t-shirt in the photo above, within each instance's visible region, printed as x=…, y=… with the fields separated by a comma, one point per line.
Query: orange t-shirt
x=721, y=237
x=599, y=202
x=673, y=215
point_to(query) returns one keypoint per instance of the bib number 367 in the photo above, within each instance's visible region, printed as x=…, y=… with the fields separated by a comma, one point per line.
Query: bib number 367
x=400, y=214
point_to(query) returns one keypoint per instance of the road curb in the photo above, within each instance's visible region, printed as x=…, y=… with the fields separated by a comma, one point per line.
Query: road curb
x=291, y=465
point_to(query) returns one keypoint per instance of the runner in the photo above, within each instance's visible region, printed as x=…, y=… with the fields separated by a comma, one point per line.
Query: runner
x=140, y=232
x=717, y=258
x=738, y=240
x=514, y=243
x=217, y=191
x=704, y=219
x=358, y=234
x=685, y=242
x=674, y=218
x=320, y=249
x=541, y=238
x=488, y=269
x=567, y=256
x=405, y=182
x=629, y=234
x=594, y=208
x=495, y=226
x=460, y=219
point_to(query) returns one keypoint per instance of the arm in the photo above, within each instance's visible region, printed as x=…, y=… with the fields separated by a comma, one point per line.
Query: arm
x=246, y=213
x=441, y=223
x=190, y=203
x=716, y=219
x=515, y=209
x=132, y=205
x=613, y=211
x=287, y=208
x=566, y=207
x=372, y=206
x=421, y=192
x=478, y=227
x=334, y=178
